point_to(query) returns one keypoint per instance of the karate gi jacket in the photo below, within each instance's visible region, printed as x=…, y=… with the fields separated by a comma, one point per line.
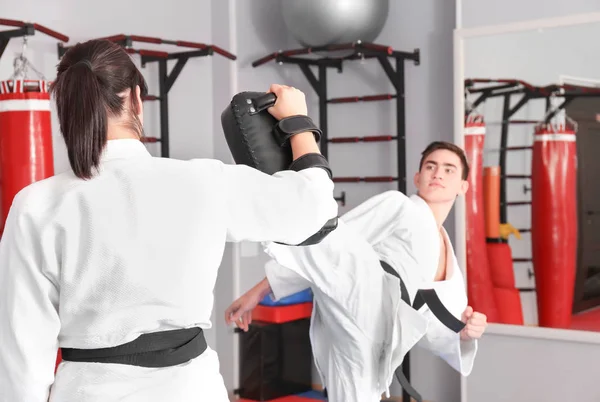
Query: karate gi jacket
x=136, y=249
x=360, y=327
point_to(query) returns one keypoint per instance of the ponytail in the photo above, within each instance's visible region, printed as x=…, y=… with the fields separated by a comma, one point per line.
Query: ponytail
x=82, y=117
x=90, y=80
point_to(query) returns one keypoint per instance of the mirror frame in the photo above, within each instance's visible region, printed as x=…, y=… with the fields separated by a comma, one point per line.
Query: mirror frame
x=460, y=35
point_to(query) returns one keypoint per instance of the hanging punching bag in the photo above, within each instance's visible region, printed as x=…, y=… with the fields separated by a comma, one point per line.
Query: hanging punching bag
x=26, y=154
x=554, y=222
x=479, y=282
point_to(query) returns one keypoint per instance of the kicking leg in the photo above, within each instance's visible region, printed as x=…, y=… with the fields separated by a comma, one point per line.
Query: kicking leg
x=343, y=271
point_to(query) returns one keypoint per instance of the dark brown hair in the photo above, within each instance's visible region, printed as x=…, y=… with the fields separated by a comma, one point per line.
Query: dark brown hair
x=437, y=145
x=90, y=78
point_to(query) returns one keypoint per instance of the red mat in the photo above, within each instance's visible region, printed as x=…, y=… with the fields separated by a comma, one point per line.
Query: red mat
x=587, y=321
x=281, y=314
x=291, y=398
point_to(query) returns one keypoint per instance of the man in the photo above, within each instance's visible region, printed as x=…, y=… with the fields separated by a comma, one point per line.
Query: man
x=361, y=328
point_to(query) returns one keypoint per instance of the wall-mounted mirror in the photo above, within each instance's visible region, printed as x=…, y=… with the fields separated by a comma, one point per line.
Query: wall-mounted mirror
x=530, y=123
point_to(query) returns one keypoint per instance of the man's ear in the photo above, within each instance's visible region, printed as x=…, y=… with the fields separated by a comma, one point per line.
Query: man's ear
x=464, y=187
x=416, y=179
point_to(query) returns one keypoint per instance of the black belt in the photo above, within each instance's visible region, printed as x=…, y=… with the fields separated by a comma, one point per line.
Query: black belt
x=156, y=349
x=429, y=297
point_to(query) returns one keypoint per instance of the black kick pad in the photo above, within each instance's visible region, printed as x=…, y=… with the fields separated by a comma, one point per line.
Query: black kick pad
x=248, y=129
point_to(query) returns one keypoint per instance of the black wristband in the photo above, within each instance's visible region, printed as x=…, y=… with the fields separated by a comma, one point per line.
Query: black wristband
x=290, y=126
x=311, y=160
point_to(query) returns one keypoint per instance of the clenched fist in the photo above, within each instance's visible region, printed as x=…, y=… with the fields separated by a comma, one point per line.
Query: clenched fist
x=290, y=102
x=476, y=324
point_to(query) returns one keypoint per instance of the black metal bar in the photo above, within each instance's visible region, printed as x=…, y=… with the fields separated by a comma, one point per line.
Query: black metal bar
x=565, y=102
x=526, y=289
x=507, y=113
x=176, y=56
x=489, y=89
x=3, y=44
x=401, y=127
x=322, y=92
x=515, y=176
x=62, y=49
x=26, y=30
x=480, y=100
x=367, y=98
x=190, y=54
x=312, y=79
x=5, y=36
x=335, y=63
x=522, y=260
x=516, y=121
x=508, y=92
x=163, y=78
x=512, y=203
x=502, y=162
x=175, y=72
x=406, y=370
x=519, y=105
x=401, y=161
x=389, y=70
x=341, y=199
x=518, y=148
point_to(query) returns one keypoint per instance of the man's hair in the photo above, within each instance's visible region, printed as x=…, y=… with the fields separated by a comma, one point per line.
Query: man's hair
x=436, y=145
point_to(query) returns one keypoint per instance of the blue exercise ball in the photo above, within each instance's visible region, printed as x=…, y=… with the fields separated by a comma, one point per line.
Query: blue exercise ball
x=328, y=22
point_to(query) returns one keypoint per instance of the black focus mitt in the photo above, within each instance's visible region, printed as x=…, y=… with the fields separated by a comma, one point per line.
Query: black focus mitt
x=257, y=139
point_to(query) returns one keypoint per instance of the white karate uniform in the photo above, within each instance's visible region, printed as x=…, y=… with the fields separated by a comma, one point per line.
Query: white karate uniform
x=136, y=249
x=360, y=327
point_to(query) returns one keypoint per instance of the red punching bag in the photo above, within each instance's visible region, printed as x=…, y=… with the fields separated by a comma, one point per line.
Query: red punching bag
x=26, y=154
x=554, y=222
x=479, y=283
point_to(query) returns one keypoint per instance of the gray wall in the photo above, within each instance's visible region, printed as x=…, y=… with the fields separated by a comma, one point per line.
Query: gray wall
x=488, y=12
x=535, y=368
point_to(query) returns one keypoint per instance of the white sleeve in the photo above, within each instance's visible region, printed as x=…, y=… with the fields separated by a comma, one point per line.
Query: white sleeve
x=286, y=207
x=446, y=344
x=28, y=313
x=283, y=281
x=441, y=340
x=378, y=216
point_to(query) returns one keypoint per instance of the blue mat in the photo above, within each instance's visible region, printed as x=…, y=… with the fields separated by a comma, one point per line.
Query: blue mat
x=313, y=395
x=304, y=296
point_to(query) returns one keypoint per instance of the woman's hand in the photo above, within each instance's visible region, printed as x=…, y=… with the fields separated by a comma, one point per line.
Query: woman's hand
x=290, y=102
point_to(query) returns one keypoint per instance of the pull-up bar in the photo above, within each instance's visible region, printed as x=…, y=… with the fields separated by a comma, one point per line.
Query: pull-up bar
x=25, y=29
x=360, y=50
x=127, y=41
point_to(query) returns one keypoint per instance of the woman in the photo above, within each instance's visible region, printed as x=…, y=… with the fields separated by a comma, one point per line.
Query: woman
x=125, y=249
